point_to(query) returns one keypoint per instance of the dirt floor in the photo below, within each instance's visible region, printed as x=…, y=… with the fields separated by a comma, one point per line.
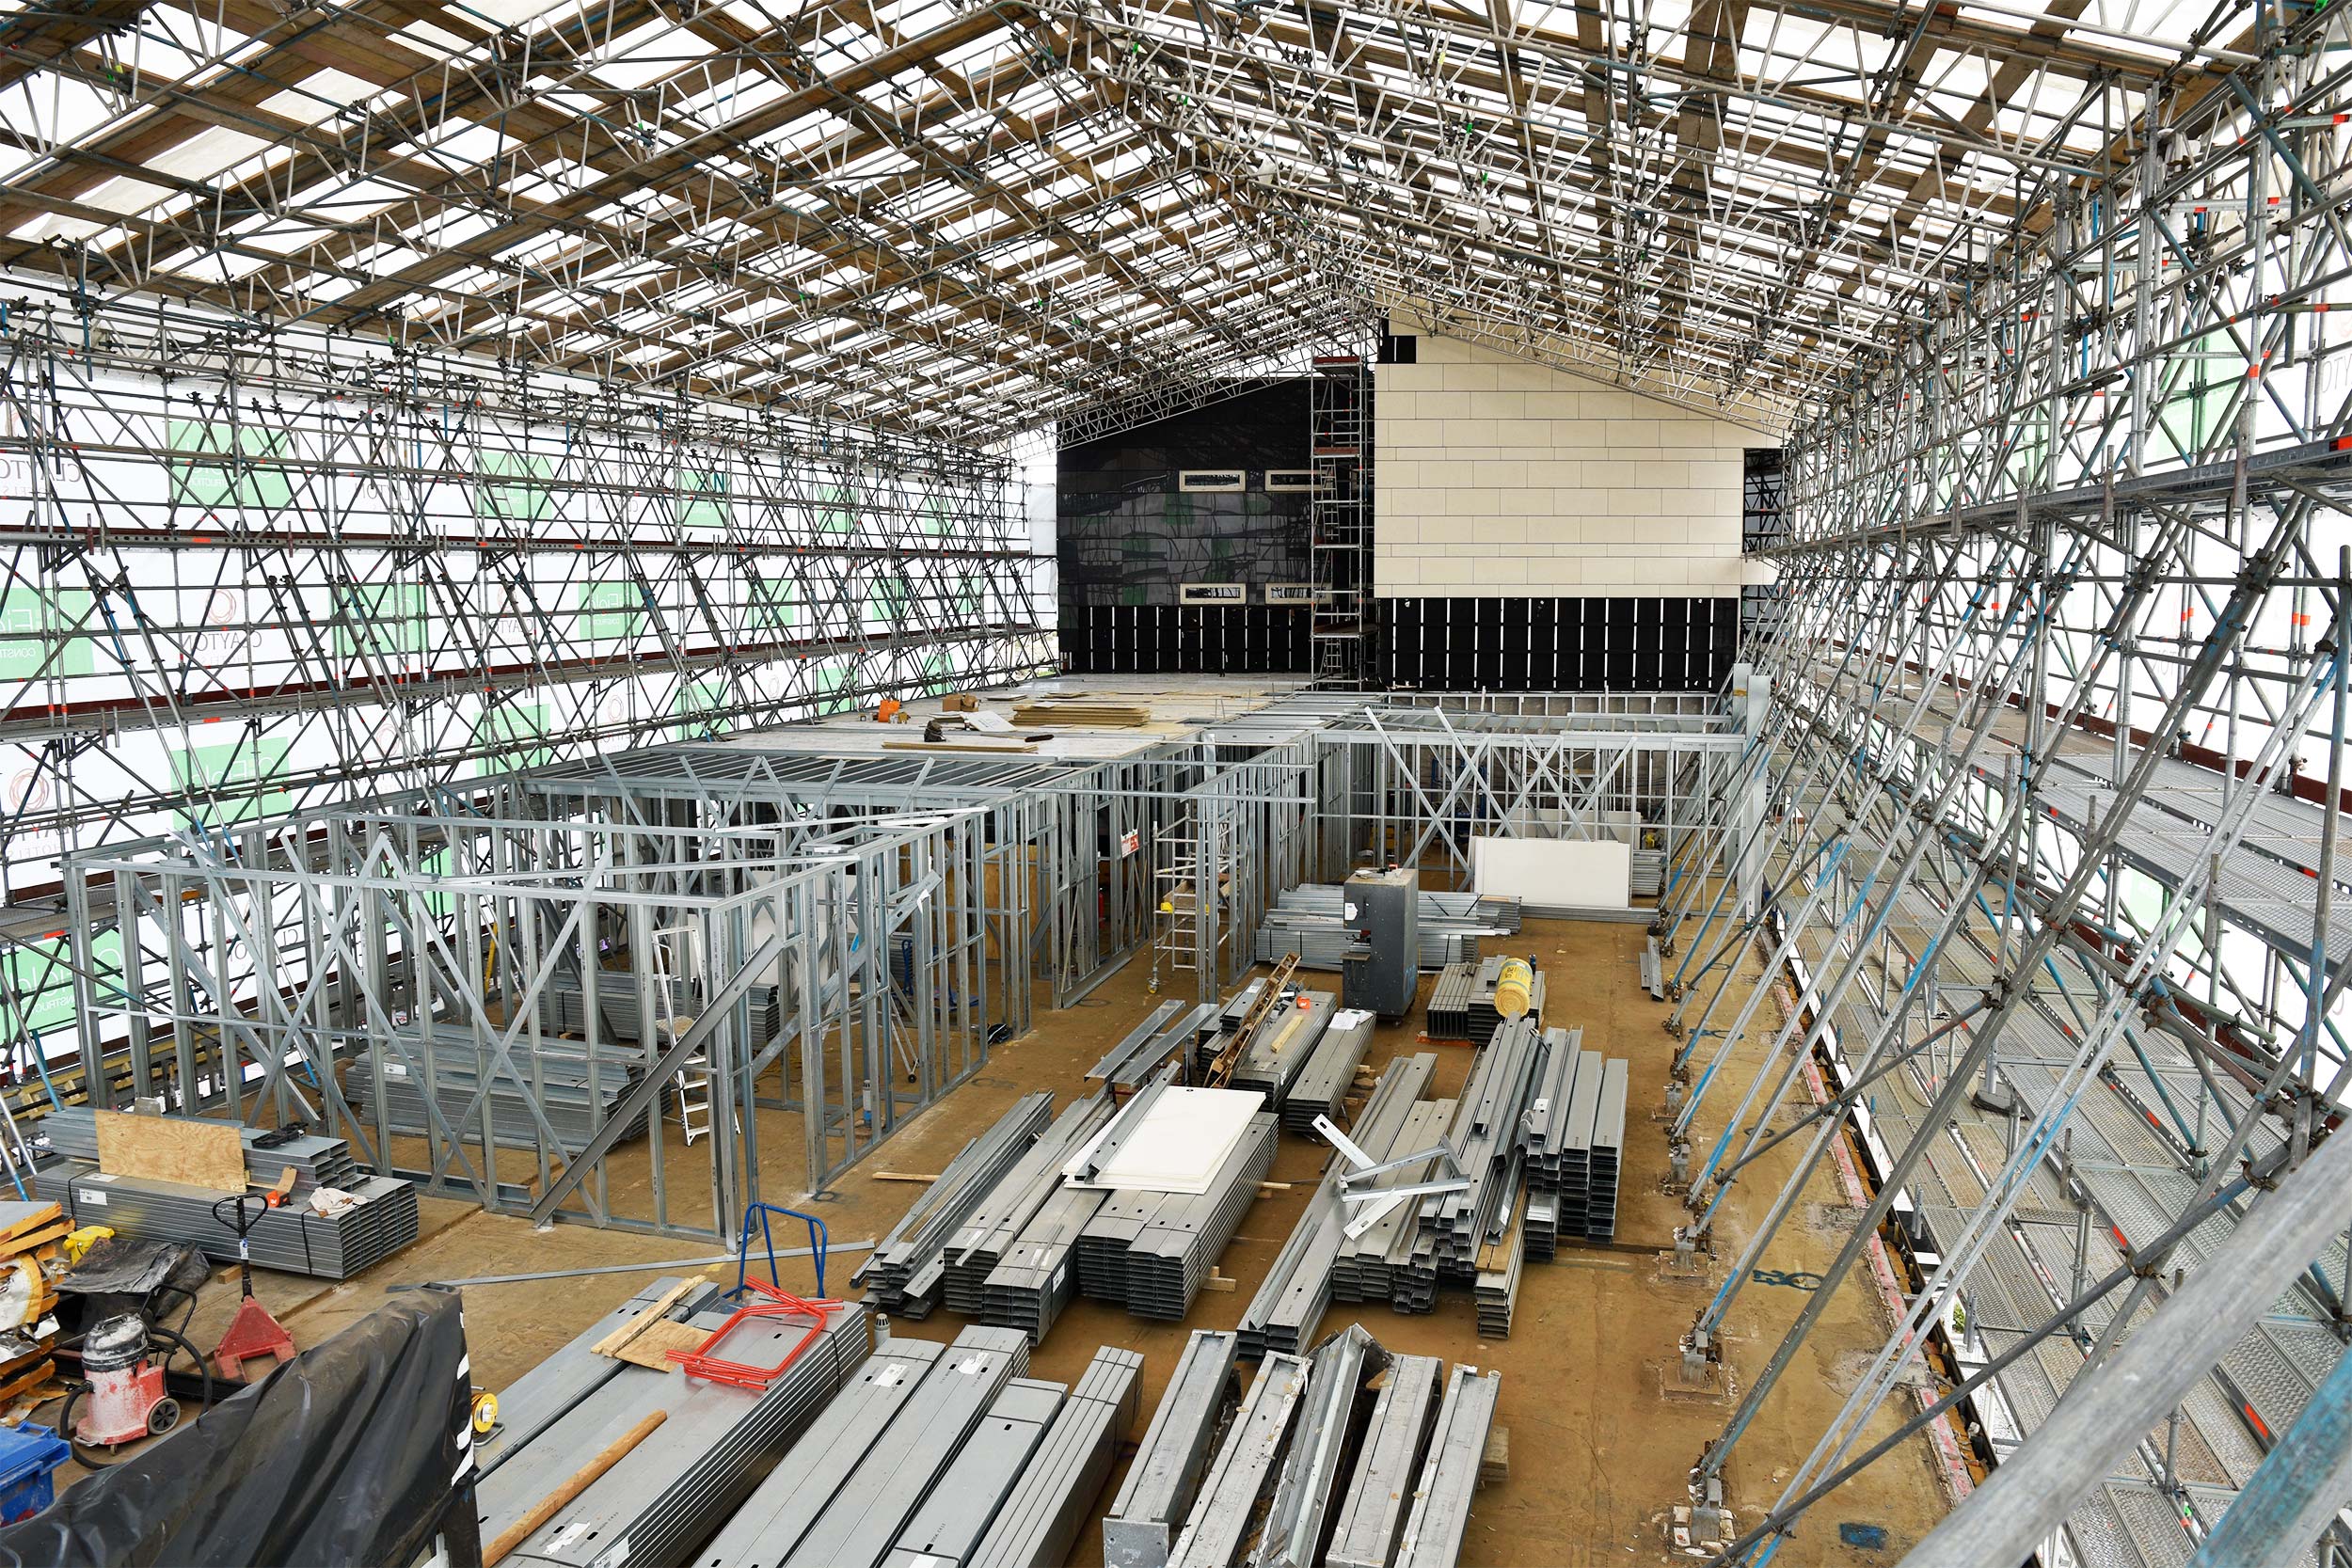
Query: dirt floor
x=1599, y=1454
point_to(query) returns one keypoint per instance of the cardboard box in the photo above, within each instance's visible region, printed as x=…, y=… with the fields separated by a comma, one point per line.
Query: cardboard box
x=961, y=702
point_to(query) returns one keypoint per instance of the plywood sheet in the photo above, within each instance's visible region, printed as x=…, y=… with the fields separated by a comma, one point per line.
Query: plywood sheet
x=1594, y=874
x=206, y=1154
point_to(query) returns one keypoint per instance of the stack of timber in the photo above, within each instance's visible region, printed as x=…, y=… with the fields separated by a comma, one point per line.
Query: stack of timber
x=905, y=1274
x=1343, y=1456
x=387, y=1083
x=1297, y=1289
x=939, y=1455
x=1312, y=921
x=31, y=1257
x=1079, y=713
x=1329, y=1073
x=1450, y=1002
x=668, y=1492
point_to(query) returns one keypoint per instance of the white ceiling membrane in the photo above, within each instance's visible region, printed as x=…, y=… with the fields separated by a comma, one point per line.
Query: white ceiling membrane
x=969, y=220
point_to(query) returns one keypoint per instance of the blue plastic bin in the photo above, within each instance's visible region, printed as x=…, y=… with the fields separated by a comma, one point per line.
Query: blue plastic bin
x=29, y=1457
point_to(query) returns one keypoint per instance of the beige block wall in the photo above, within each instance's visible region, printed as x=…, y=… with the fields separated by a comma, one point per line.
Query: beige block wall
x=1494, y=477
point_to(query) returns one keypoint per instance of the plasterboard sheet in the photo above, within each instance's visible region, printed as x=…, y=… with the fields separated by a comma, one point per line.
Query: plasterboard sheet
x=1594, y=874
x=1183, y=1137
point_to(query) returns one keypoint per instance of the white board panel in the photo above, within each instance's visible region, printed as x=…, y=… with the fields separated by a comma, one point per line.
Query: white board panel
x=1596, y=874
x=1184, y=1137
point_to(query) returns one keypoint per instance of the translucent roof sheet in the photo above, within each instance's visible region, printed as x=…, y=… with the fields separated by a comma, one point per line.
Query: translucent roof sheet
x=988, y=218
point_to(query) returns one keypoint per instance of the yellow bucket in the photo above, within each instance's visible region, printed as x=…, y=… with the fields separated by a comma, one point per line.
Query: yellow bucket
x=1512, y=988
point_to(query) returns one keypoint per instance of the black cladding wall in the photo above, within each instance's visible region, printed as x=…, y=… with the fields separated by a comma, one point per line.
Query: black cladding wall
x=1128, y=534
x=1212, y=639
x=1558, y=645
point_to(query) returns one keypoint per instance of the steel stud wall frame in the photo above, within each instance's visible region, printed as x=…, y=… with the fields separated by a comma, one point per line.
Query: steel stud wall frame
x=836, y=968
x=2052, y=783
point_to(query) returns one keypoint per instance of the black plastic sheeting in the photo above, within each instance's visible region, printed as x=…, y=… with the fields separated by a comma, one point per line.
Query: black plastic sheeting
x=349, y=1454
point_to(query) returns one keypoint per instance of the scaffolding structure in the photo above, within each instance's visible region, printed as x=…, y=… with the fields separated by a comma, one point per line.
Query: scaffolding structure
x=248, y=573
x=2038, y=841
x=1340, y=528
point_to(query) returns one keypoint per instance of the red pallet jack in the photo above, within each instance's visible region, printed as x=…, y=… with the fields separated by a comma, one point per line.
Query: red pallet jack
x=252, y=1333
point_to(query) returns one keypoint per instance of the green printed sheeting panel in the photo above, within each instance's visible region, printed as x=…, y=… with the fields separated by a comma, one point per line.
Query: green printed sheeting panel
x=610, y=610
x=511, y=488
x=888, y=600
x=513, y=725
x=825, y=685
x=773, y=604
x=937, y=675
x=836, y=510
x=702, y=705
x=36, y=982
x=236, y=775
x=389, y=618
x=25, y=614
x=704, y=498
x=229, y=466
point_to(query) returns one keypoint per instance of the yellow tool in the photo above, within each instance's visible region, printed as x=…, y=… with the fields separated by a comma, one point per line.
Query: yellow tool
x=80, y=1240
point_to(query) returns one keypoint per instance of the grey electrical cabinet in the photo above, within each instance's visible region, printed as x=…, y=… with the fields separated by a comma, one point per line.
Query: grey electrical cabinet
x=1380, y=970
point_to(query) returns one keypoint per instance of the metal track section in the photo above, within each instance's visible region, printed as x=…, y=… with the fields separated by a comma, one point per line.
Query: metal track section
x=1049, y=1507
x=718, y=1441
x=1389, y=1463
x=1166, y=1473
x=908, y=1269
x=1441, y=1500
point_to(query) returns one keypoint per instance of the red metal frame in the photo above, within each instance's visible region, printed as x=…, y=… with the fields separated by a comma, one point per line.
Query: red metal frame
x=779, y=1304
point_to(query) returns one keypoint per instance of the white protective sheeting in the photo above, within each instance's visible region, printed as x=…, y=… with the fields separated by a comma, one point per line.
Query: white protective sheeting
x=1594, y=874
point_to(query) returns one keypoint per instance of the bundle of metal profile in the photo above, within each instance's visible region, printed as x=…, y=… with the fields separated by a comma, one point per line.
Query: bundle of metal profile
x=1559, y=1161
x=848, y=1487
x=1386, y=1462
x=563, y=1009
x=1164, y=1476
x=1036, y=1279
x=1485, y=1138
x=1169, y=1031
x=1322, y=1441
x=1278, y=1048
x=1608, y=1137
x=905, y=1273
x=716, y=1441
x=1370, y=1266
x=1496, y=1291
x=1484, y=1019
x=1542, y=1219
x=1296, y=1290
x=535, y=1400
x=1448, y=1002
x=997, y=1222
x=1183, y=1236
x=1312, y=921
x=1649, y=874
x=1227, y=1505
x=1442, y=1495
x=1329, y=1073
x=1543, y=1130
x=1043, y=1516
x=317, y=1161
x=553, y=1081
x=292, y=1239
